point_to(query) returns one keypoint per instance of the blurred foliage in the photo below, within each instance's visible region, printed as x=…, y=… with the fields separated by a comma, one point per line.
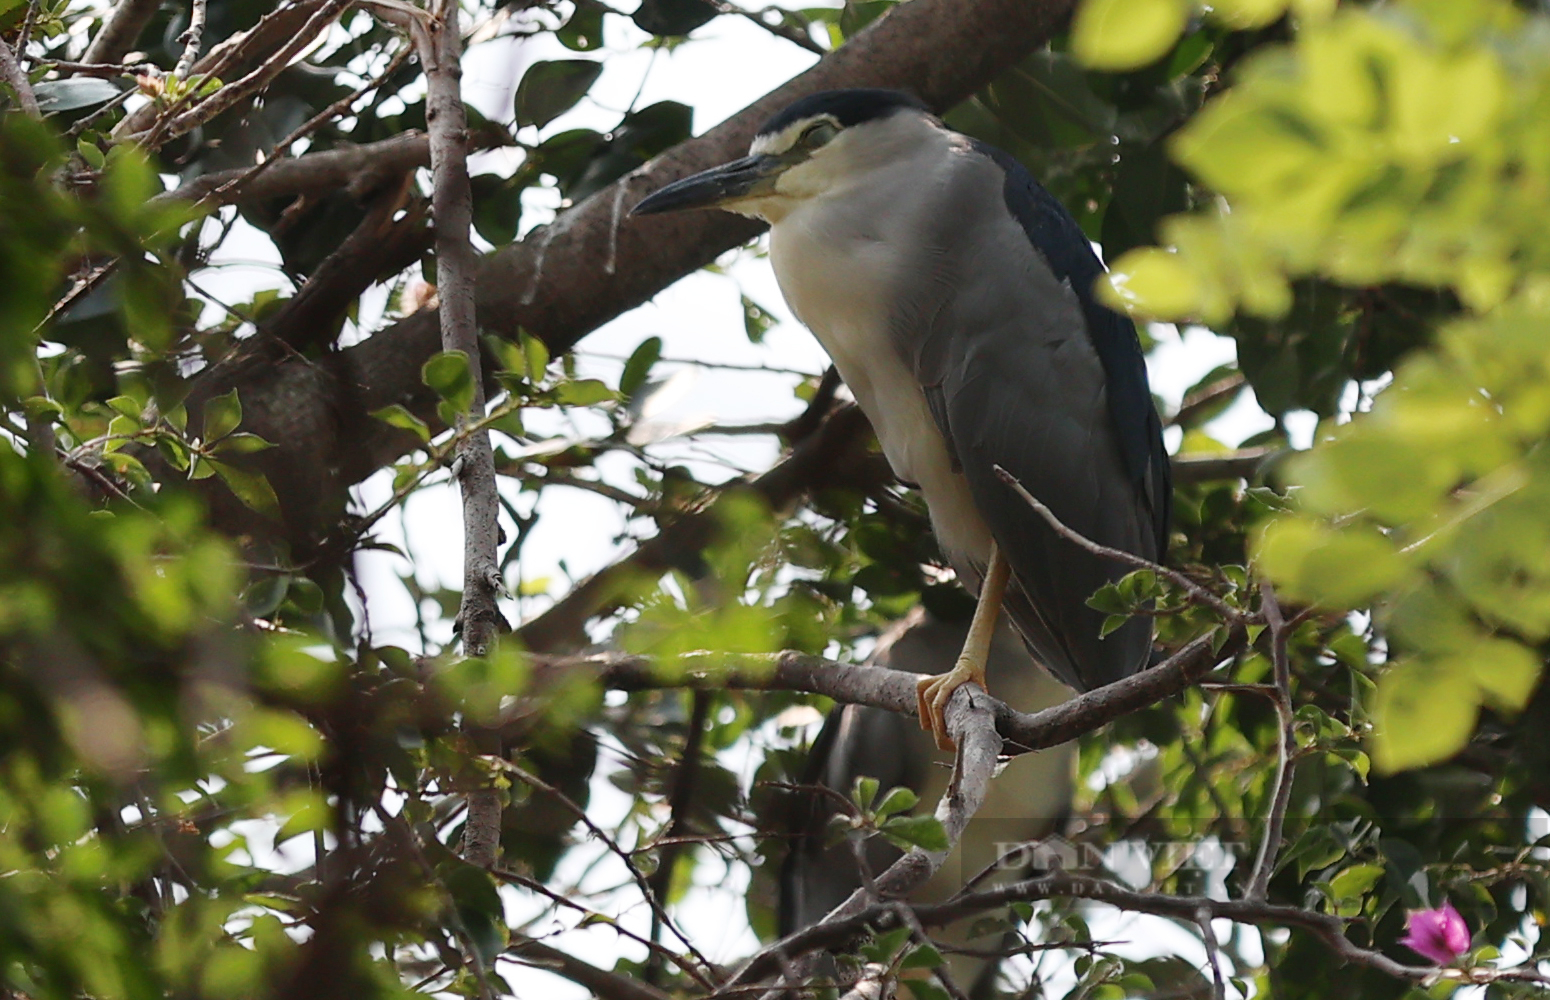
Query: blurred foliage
x=215, y=781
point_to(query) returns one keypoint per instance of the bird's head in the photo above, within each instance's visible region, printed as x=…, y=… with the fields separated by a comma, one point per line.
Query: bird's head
x=819, y=144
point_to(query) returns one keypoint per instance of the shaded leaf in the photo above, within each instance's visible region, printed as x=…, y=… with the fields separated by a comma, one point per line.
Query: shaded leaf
x=549, y=89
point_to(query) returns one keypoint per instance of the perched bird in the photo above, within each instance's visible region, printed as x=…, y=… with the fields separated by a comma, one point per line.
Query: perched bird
x=1026, y=802
x=956, y=298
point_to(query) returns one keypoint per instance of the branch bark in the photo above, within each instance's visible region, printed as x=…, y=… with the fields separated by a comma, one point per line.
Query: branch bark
x=121, y=30
x=605, y=984
x=11, y=71
x=452, y=202
x=1329, y=929
x=893, y=690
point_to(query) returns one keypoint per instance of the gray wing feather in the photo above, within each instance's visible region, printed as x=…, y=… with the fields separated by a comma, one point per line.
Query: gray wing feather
x=1014, y=379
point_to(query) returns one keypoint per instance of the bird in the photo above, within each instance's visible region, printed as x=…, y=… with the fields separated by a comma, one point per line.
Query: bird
x=956, y=297
x=1026, y=803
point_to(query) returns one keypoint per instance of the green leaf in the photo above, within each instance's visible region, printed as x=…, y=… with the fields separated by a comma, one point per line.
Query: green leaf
x=72, y=93
x=242, y=444
x=249, y=487
x=222, y=414
x=536, y=353
x=1423, y=713
x=1126, y=34
x=397, y=416
x=583, y=30
x=582, y=392
x=921, y=957
x=897, y=800
x=864, y=792
x=1337, y=568
x=756, y=320
x=497, y=208
x=91, y=153
x=673, y=17
x=128, y=406
x=1506, y=672
x=1246, y=15
x=1355, y=881
x=448, y=376
x=549, y=89
x=305, y=811
x=924, y=832
x=638, y=368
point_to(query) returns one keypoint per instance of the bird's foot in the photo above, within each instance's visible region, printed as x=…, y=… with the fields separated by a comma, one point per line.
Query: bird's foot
x=933, y=693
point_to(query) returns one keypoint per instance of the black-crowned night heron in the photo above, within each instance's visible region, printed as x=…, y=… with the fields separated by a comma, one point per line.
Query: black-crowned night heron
x=956, y=298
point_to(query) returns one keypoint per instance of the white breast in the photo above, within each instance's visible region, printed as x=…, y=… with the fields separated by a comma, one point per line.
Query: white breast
x=835, y=261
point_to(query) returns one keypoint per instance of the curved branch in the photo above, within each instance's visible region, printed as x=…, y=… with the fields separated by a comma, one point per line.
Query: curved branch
x=893, y=690
x=1329, y=929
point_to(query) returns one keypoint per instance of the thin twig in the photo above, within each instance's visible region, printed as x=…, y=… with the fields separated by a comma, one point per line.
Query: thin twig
x=255, y=81
x=228, y=190
x=780, y=30
x=1265, y=860
x=1196, y=592
x=680, y=801
x=592, y=916
x=1213, y=954
x=11, y=71
x=700, y=975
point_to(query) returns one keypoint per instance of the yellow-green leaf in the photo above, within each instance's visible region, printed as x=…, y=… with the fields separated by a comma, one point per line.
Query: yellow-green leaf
x=1505, y=670
x=249, y=487
x=1153, y=283
x=222, y=415
x=1126, y=34
x=1423, y=714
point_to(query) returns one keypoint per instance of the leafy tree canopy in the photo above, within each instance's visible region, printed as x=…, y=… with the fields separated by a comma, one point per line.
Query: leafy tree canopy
x=215, y=781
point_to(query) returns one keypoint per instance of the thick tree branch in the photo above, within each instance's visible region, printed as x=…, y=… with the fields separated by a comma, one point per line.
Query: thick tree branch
x=121, y=30
x=893, y=690
x=356, y=169
x=606, y=985
x=378, y=246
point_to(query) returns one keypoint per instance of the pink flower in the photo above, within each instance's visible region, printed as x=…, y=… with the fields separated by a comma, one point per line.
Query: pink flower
x=1441, y=935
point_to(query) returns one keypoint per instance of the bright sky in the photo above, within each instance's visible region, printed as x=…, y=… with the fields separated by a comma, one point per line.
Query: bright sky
x=725, y=66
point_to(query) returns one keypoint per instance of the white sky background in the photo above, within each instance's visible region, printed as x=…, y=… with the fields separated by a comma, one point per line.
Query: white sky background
x=728, y=64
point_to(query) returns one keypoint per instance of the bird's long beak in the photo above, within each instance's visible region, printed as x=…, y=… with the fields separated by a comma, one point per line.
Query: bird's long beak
x=749, y=177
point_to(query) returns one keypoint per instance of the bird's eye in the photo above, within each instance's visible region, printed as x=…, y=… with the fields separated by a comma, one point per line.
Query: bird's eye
x=817, y=134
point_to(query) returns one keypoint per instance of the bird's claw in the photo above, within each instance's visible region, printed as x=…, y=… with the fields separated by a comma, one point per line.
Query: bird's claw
x=933, y=693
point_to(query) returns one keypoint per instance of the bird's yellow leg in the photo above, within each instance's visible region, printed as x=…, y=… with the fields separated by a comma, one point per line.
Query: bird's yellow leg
x=932, y=693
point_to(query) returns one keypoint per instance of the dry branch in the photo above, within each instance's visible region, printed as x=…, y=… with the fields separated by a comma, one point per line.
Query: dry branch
x=479, y=620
